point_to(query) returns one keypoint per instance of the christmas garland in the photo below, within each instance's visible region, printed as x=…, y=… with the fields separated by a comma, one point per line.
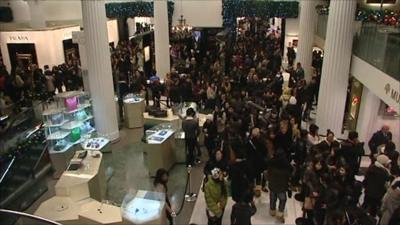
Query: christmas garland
x=386, y=17
x=231, y=9
x=134, y=9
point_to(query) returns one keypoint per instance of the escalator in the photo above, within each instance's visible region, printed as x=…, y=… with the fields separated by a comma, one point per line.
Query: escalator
x=24, y=164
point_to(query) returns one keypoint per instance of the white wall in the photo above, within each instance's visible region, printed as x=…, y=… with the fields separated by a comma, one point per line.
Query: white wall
x=369, y=120
x=375, y=80
x=112, y=27
x=54, y=10
x=48, y=44
x=199, y=13
x=291, y=32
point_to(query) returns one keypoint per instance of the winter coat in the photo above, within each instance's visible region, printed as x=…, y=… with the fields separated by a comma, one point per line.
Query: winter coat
x=215, y=196
x=390, y=202
x=278, y=175
x=242, y=213
x=375, y=181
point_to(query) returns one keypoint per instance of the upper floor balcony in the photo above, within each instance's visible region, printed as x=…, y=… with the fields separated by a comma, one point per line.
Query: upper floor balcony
x=378, y=45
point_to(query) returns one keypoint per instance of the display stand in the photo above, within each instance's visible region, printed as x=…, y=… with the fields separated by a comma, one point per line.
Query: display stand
x=160, y=145
x=95, y=212
x=67, y=123
x=133, y=111
x=174, y=120
x=97, y=144
x=146, y=208
x=87, y=181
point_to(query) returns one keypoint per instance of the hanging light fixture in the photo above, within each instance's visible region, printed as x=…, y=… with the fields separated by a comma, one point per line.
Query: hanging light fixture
x=181, y=27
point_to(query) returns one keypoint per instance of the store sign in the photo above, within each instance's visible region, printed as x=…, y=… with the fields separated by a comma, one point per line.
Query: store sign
x=18, y=38
x=392, y=93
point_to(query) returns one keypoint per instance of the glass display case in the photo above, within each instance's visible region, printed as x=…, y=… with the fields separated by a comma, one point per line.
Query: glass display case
x=144, y=207
x=68, y=121
x=160, y=131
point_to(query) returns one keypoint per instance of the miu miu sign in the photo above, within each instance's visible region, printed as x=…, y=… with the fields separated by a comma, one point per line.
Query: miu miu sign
x=392, y=93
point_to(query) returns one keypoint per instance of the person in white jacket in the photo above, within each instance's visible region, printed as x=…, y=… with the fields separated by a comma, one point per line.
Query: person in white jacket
x=390, y=202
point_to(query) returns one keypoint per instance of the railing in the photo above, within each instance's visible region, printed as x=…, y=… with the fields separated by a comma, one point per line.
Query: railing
x=379, y=45
x=7, y=169
x=21, y=215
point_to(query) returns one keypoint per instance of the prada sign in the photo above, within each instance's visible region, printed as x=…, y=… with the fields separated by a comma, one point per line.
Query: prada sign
x=18, y=38
x=392, y=93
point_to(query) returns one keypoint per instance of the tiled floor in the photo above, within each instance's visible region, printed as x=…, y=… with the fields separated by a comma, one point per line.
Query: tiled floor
x=129, y=173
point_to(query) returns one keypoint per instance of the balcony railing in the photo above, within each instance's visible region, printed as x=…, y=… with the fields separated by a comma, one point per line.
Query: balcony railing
x=379, y=45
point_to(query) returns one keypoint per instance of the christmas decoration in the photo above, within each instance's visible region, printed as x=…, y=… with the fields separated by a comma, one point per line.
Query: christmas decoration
x=134, y=9
x=257, y=8
x=386, y=17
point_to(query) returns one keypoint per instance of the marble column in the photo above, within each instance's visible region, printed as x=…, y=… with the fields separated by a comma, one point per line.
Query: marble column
x=78, y=37
x=99, y=68
x=336, y=66
x=38, y=19
x=307, y=25
x=161, y=37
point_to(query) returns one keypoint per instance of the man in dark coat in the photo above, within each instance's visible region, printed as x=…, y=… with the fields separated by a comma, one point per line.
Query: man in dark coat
x=352, y=151
x=376, y=179
x=379, y=138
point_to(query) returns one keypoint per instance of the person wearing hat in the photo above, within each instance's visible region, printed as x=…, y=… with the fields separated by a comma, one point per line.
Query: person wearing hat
x=216, y=195
x=375, y=182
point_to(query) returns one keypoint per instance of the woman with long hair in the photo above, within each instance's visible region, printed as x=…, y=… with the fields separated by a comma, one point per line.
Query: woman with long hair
x=160, y=185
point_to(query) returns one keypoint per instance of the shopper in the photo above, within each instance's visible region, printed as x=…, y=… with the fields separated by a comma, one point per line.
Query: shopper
x=376, y=179
x=160, y=185
x=210, y=134
x=243, y=211
x=216, y=195
x=390, y=202
x=352, y=151
x=191, y=128
x=279, y=171
x=379, y=138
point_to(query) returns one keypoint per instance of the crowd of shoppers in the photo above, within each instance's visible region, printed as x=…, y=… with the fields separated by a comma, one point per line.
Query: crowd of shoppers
x=256, y=142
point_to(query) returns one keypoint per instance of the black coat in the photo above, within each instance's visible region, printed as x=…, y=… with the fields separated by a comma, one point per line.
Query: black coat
x=242, y=213
x=377, y=139
x=374, y=182
x=279, y=171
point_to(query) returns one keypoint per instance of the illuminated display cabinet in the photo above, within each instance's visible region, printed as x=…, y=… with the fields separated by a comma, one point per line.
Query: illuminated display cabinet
x=68, y=121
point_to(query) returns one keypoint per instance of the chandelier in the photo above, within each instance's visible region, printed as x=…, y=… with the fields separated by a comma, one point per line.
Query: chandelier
x=181, y=26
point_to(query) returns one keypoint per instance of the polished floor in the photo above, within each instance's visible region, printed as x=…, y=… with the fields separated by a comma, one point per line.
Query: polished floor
x=126, y=172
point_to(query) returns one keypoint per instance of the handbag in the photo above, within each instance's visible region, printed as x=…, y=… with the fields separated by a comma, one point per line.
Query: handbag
x=56, y=118
x=71, y=103
x=75, y=134
x=81, y=115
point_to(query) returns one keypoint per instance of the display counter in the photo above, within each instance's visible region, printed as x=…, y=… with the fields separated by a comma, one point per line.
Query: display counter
x=86, y=181
x=133, y=111
x=160, y=145
x=61, y=209
x=174, y=120
x=145, y=208
x=94, y=212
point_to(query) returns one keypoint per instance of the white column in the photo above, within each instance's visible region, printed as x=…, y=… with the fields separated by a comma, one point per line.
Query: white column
x=161, y=37
x=336, y=66
x=38, y=19
x=78, y=37
x=308, y=17
x=99, y=68
x=368, y=116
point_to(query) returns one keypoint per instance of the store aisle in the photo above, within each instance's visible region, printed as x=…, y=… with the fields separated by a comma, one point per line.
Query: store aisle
x=262, y=217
